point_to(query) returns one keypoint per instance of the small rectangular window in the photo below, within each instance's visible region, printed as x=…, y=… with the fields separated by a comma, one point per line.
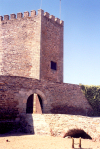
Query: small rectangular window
x=53, y=65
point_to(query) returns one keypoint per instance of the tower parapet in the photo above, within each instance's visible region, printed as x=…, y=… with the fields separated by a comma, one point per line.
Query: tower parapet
x=13, y=16
x=46, y=14
x=31, y=14
x=6, y=17
x=19, y=15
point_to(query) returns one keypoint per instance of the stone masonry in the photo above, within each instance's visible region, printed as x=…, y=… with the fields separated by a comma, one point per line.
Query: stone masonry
x=31, y=78
x=59, y=124
x=57, y=98
x=28, y=44
x=31, y=46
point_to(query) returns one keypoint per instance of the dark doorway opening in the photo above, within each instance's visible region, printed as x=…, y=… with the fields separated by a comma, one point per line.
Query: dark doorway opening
x=77, y=133
x=34, y=104
x=29, y=106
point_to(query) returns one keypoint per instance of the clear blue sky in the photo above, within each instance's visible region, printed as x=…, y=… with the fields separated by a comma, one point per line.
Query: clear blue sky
x=81, y=34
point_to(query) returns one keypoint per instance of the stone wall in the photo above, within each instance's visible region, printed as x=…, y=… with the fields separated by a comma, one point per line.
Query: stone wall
x=60, y=124
x=58, y=98
x=20, y=45
x=29, y=43
x=51, y=48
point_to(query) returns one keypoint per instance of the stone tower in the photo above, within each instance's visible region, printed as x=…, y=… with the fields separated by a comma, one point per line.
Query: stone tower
x=32, y=46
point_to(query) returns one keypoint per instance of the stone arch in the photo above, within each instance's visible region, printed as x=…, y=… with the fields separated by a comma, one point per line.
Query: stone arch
x=39, y=97
x=77, y=133
x=42, y=95
x=42, y=98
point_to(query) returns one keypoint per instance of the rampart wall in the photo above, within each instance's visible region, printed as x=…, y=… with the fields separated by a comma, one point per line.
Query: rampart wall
x=57, y=98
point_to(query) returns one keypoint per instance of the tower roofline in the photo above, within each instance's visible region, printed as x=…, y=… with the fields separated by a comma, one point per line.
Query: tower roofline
x=31, y=14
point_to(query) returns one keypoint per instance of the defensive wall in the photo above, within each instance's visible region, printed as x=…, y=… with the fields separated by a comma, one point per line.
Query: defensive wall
x=57, y=98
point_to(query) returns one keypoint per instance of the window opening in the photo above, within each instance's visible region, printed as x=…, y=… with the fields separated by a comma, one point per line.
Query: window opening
x=53, y=65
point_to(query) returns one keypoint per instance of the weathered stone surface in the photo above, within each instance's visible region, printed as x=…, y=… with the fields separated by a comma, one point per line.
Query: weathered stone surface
x=28, y=45
x=58, y=124
x=58, y=98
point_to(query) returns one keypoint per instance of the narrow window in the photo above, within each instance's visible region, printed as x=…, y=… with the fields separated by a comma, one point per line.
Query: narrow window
x=53, y=65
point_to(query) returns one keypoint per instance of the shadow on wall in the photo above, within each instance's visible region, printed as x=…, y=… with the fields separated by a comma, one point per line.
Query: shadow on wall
x=8, y=113
x=20, y=126
x=11, y=125
x=24, y=123
x=34, y=105
x=7, y=126
x=70, y=110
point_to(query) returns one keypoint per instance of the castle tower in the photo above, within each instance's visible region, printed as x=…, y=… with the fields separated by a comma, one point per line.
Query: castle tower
x=32, y=46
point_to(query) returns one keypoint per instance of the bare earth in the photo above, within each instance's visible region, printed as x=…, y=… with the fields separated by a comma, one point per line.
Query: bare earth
x=43, y=142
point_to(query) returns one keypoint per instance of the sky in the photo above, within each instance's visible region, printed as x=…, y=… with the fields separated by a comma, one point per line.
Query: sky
x=81, y=34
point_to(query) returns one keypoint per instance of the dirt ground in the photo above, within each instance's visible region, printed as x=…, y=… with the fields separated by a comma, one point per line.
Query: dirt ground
x=23, y=141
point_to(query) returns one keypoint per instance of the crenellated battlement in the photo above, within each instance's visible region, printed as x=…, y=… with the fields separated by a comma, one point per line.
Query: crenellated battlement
x=31, y=14
x=46, y=14
x=19, y=15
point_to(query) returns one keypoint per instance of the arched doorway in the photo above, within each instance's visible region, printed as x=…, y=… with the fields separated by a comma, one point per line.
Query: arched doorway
x=34, y=104
x=77, y=133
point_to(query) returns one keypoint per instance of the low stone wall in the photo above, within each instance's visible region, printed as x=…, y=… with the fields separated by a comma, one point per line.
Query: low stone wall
x=59, y=124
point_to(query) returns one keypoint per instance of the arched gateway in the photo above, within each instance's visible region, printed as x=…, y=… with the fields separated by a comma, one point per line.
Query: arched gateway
x=35, y=103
